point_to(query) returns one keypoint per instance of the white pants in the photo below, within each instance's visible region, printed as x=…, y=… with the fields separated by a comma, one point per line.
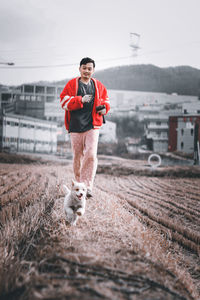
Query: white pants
x=84, y=147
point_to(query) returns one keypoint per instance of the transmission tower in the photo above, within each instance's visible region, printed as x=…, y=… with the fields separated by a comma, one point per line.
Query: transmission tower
x=134, y=42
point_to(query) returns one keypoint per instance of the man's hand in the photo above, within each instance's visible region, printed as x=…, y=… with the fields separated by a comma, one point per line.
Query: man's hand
x=86, y=98
x=102, y=111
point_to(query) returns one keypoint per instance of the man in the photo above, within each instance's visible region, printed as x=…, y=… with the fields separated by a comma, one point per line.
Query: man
x=85, y=101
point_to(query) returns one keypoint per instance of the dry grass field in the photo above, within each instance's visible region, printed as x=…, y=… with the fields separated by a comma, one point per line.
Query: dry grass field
x=139, y=238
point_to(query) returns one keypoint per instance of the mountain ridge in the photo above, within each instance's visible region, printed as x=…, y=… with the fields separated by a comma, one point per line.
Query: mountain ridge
x=183, y=80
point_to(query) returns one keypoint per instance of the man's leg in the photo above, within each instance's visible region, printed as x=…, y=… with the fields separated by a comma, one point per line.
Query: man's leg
x=77, y=143
x=89, y=162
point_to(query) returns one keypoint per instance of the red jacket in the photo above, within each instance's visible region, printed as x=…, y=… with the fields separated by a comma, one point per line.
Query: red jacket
x=70, y=101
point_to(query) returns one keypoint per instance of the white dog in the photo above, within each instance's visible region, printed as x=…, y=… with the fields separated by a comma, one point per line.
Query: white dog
x=74, y=203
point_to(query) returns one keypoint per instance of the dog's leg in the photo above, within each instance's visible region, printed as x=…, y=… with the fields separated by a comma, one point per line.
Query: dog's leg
x=75, y=220
x=80, y=211
x=69, y=214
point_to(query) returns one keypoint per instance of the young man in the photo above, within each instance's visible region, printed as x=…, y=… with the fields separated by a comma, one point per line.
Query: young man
x=81, y=99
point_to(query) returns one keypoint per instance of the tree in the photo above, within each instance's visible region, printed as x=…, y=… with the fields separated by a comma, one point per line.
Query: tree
x=128, y=126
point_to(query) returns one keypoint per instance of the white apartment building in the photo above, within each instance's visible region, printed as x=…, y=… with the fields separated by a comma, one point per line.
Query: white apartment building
x=191, y=108
x=27, y=134
x=156, y=132
x=185, y=135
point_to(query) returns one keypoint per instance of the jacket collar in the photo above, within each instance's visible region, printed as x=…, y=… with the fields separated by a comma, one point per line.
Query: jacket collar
x=95, y=83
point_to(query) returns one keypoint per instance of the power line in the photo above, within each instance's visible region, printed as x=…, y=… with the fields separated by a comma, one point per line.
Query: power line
x=28, y=50
x=11, y=67
x=59, y=65
x=39, y=67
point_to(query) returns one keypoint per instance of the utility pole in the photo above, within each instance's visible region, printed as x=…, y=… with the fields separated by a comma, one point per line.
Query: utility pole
x=196, y=145
x=2, y=127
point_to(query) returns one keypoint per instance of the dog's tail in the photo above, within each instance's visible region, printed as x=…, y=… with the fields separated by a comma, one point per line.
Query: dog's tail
x=67, y=191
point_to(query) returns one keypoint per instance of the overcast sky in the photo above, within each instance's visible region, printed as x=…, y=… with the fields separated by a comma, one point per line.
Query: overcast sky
x=60, y=32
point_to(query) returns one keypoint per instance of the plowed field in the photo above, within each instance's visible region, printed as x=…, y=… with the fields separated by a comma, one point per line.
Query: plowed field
x=139, y=238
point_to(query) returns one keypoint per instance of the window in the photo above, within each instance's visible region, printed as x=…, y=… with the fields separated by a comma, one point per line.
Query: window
x=40, y=98
x=158, y=123
x=39, y=89
x=6, y=96
x=50, y=90
x=28, y=89
x=182, y=145
x=182, y=131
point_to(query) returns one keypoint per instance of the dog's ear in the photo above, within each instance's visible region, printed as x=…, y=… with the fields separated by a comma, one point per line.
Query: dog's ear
x=73, y=182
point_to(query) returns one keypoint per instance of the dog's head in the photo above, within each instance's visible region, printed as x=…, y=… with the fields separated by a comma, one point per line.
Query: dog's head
x=79, y=190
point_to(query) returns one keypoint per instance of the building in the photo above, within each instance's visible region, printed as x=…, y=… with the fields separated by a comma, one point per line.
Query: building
x=121, y=99
x=132, y=144
x=191, y=108
x=32, y=100
x=54, y=112
x=7, y=99
x=184, y=133
x=23, y=133
x=39, y=92
x=107, y=133
x=156, y=132
x=41, y=100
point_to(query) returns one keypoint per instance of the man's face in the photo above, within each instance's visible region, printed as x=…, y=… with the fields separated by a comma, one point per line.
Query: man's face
x=86, y=70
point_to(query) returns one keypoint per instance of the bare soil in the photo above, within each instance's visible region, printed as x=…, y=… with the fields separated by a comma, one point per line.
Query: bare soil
x=139, y=238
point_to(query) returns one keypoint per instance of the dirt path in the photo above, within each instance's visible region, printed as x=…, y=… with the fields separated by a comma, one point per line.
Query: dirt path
x=139, y=238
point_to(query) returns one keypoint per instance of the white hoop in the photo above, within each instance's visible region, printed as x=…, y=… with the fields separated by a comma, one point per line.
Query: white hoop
x=155, y=164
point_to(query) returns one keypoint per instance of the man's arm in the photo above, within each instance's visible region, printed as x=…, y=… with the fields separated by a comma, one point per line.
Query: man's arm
x=68, y=101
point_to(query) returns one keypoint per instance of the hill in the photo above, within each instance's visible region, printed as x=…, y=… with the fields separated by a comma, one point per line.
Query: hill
x=183, y=80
